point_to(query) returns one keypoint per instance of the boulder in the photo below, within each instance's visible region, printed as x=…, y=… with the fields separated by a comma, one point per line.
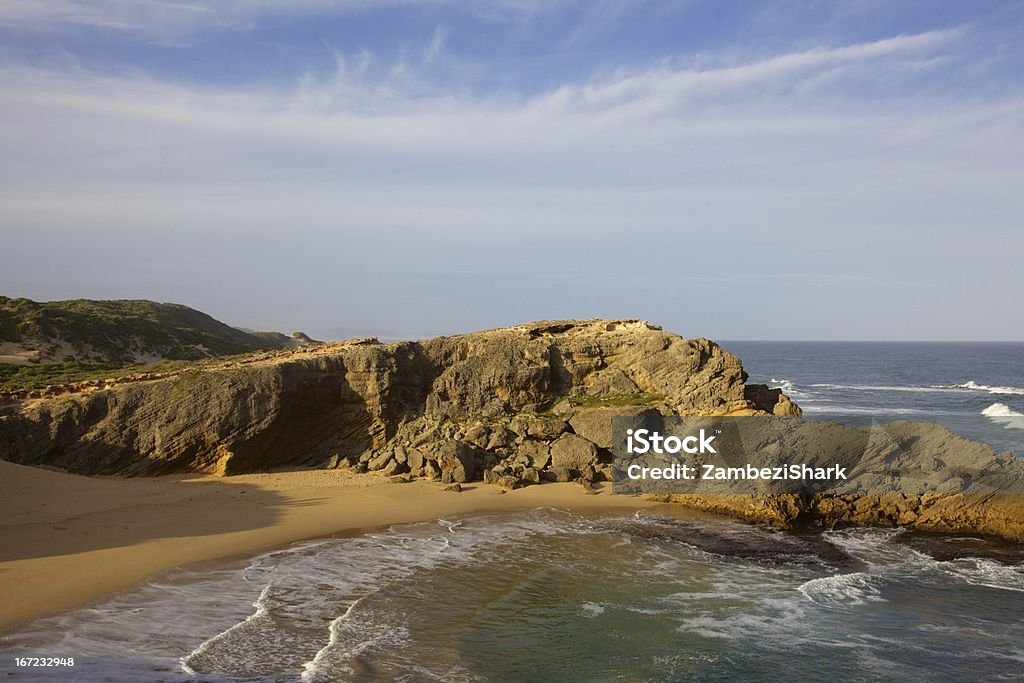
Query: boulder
x=536, y=452
x=456, y=461
x=379, y=461
x=478, y=435
x=393, y=467
x=561, y=473
x=573, y=452
x=431, y=470
x=546, y=428
x=500, y=438
x=414, y=459
x=530, y=476
x=595, y=424
x=510, y=481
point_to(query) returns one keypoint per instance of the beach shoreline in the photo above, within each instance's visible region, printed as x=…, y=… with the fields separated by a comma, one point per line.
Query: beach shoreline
x=71, y=539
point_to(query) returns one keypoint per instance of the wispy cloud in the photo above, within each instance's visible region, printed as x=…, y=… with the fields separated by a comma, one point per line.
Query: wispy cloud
x=373, y=117
x=164, y=17
x=763, y=173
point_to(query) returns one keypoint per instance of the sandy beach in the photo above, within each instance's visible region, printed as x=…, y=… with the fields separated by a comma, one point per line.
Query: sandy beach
x=69, y=539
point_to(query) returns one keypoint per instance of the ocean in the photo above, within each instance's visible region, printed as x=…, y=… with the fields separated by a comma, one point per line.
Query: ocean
x=975, y=389
x=660, y=595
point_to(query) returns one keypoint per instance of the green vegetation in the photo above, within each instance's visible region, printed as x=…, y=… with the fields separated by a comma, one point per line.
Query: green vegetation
x=8, y=326
x=16, y=377
x=116, y=333
x=619, y=400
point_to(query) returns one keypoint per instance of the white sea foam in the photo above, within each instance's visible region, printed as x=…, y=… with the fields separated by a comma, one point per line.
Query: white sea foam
x=329, y=608
x=971, y=385
x=1005, y=415
x=843, y=590
x=860, y=410
x=312, y=668
x=886, y=387
x=786, y=385
x=982, y=572
x=262, y=609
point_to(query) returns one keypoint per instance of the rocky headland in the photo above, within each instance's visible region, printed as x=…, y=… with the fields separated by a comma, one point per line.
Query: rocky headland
x=512, y=406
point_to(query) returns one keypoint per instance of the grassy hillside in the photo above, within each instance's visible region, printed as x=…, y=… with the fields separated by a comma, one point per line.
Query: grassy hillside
x=82, y=336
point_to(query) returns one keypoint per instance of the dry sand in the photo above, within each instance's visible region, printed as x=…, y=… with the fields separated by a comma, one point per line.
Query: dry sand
x=68, y=539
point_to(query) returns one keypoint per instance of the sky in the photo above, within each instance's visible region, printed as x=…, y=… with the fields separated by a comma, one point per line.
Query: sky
x=409, y=168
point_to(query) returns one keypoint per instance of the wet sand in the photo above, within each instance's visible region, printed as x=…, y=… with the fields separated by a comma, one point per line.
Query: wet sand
x=68, y=539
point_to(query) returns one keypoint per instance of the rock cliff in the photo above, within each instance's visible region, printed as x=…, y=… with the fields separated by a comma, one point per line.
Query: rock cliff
x=512, y=406
x=451, y=407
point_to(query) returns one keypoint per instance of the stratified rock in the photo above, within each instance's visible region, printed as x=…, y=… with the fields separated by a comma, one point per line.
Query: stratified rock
x=363, y=401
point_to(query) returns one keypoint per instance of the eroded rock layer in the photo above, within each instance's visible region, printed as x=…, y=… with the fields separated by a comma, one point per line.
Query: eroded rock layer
x=452, y=407
x=513, y=406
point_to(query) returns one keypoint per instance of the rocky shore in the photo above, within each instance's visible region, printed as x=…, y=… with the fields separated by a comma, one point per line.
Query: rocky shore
x=514, y=406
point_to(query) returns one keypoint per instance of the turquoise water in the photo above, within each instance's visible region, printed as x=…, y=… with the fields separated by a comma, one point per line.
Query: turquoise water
x=547, y=595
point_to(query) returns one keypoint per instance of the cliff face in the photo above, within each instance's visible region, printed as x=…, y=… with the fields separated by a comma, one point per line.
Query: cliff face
x=398, y=407
x=514, y=406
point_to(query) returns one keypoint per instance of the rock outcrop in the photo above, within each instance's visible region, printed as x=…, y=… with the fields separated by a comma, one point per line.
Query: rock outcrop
x=910, y=474
x=449, y=408
x=513, y=406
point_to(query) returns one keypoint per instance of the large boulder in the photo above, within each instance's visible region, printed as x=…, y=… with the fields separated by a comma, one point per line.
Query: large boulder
x=595, y=424
x=536, y=453
x=573, y=452
x=457, y=462
x=546, y=428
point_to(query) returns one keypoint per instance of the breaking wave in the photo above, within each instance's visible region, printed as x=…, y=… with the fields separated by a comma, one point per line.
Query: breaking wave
x=1004, y=414
x=971, y=385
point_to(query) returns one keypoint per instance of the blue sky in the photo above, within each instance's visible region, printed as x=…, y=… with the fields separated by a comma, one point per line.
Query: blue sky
x=786, y=170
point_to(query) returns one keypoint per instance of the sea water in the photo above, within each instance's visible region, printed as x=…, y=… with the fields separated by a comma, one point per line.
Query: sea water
x=548, y=595
x=660, y=595
x=975, y=389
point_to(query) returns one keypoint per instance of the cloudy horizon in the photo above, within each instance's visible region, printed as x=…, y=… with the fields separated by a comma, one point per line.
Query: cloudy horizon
x=419, y=167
